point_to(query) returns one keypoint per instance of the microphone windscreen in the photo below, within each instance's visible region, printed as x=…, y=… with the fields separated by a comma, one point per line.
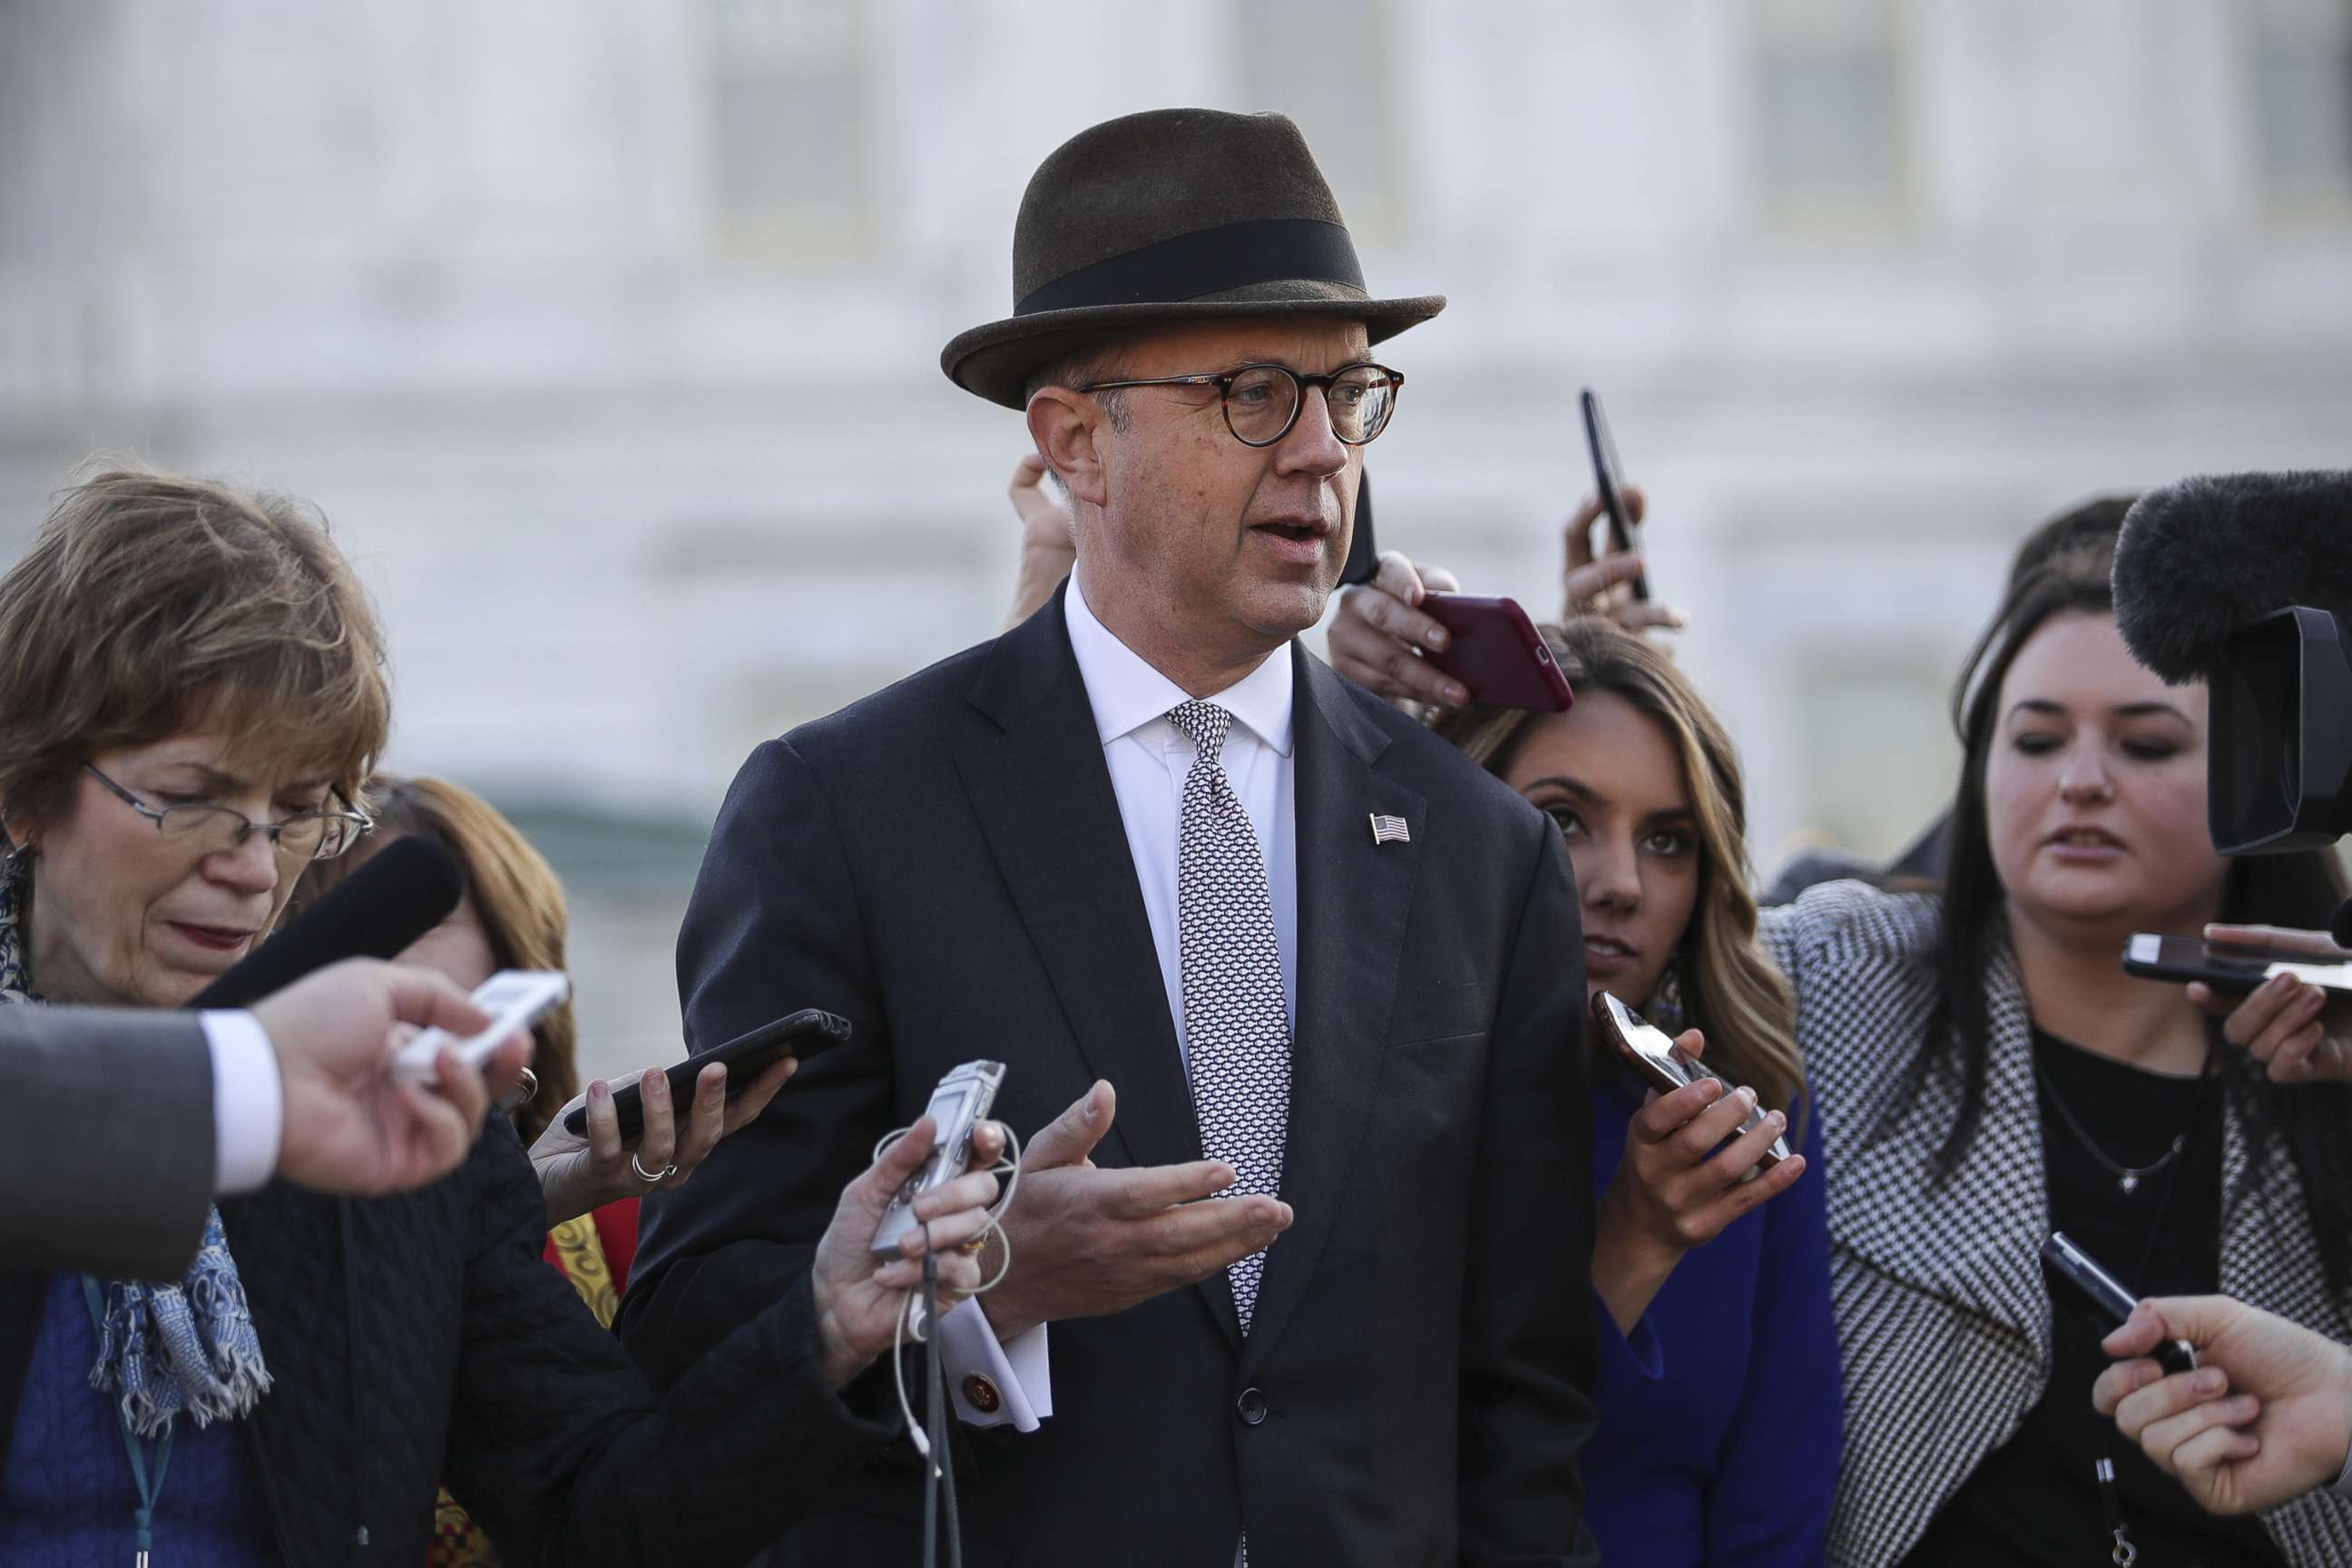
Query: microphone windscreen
x=406, y=888
x=2201, y=560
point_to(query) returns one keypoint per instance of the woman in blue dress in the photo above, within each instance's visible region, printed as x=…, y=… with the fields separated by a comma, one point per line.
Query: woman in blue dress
x=1717, y=1383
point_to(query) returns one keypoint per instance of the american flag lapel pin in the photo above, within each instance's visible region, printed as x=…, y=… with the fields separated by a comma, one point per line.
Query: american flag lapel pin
x=1389, y=830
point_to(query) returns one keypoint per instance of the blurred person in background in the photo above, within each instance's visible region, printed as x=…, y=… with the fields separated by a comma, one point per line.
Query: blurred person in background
x=191, y=693
x=511, y=916
x=1717, y=1384
x=1987, y=1073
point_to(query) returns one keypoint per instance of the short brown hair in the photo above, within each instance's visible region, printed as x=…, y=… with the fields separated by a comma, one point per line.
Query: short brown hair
x=516, y=892
x=151, y=602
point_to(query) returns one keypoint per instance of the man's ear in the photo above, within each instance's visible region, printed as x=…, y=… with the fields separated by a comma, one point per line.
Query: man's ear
x=1064, y=423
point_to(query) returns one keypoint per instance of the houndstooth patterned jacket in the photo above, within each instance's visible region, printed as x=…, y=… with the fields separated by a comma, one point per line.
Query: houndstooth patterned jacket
x=1943, y=1319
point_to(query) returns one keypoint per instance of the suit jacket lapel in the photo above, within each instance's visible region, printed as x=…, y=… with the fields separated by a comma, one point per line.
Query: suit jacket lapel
x=1043, y=794
x=1353, y=899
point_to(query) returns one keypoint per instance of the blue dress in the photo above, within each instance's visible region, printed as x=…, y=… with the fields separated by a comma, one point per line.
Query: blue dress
x=1718, y=1433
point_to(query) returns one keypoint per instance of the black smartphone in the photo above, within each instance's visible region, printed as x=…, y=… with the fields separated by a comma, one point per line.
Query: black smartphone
x=1363, y=562
x=2076, y=1276
x=2232, y=971
x=803, y=1034
x=1609, y=478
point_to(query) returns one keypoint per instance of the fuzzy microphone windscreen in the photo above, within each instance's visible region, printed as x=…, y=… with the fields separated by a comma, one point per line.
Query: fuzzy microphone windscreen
x=406, y=888
x=2199, y=559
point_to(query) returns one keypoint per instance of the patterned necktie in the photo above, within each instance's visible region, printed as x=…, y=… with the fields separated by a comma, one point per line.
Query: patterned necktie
x=1236, y=1028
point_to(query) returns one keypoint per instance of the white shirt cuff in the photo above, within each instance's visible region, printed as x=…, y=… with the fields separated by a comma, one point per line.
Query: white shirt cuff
x=248, y=1103
x=992, y=1383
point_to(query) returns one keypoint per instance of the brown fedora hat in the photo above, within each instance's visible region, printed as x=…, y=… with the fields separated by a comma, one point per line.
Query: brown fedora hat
x=1174, y=214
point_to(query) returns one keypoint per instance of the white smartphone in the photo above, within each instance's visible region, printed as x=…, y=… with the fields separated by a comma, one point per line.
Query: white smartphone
x=958, y=1104
x=514, y=998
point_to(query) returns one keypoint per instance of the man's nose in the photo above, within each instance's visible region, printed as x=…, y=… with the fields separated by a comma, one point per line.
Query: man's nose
x=1312, y=447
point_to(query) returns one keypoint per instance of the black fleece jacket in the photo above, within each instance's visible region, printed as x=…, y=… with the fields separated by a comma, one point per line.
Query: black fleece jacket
x=422, y=1337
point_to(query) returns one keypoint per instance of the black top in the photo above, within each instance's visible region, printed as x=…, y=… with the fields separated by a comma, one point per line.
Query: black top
x=2032, y=1500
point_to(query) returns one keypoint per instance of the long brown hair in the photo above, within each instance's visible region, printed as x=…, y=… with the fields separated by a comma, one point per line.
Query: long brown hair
x=1730, y=987
x=516, y=893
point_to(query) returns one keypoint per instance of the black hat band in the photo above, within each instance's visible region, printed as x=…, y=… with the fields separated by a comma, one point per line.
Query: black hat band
x=1206, y=262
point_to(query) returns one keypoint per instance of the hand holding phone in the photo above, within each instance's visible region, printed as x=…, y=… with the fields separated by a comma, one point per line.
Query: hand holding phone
x=1496, y=652
x=514, y=998
x=1609, y=478
x=2229, y=969
x=746, y=1056
x=1665, y=1065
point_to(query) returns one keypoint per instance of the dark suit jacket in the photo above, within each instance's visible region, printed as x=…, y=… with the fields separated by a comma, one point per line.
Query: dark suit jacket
x=943, y=864
x=106, y=1140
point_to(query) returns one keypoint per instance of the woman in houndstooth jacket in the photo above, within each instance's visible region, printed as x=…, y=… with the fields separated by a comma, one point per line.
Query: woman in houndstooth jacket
x=1986, y=1073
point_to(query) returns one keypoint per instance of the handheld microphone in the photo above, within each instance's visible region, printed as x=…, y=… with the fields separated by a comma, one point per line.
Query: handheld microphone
x=406, y=889
x=2239, y=579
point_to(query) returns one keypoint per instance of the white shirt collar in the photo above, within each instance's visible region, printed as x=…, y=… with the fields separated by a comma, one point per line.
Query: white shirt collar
x=1127, y=693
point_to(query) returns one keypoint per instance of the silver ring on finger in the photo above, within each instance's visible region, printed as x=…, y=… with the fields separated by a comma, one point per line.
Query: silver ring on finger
x=652, y=1178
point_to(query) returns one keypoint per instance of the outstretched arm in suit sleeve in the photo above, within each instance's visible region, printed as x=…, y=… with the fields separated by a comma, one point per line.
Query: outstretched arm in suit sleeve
x=1527, y=1312
x=107, y=1119
x=773, y=927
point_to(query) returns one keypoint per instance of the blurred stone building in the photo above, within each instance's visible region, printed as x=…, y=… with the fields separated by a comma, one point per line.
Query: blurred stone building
x=607, y=335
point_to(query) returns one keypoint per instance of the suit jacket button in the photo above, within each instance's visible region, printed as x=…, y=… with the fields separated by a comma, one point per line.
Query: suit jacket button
x=981, y=1394
x=1251, y=1407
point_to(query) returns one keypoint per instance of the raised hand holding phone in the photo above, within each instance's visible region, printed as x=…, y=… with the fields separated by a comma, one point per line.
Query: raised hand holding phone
x=1699, y=1153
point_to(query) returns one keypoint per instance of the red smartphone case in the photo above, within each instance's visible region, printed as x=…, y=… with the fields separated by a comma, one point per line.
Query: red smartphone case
x=1497, y=653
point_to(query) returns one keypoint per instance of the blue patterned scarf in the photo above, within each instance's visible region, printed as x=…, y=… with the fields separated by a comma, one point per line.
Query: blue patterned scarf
x=166, y=1347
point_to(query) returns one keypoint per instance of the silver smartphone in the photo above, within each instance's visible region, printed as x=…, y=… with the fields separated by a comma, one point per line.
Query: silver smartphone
x=1665, y=1065
x=957, y=1105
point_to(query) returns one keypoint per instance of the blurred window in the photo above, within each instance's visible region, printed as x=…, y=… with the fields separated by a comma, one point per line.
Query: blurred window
x=2302, y=89
x=792, y=138
x=1879, y=756
x=1327, y=64
x=1829, y=141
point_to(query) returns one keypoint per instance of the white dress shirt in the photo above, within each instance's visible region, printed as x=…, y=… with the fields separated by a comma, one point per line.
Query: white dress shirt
x=248, y=1102
x=1149, y=757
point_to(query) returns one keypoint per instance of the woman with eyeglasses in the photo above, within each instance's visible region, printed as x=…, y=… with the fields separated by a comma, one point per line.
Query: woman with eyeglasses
x=191, y=692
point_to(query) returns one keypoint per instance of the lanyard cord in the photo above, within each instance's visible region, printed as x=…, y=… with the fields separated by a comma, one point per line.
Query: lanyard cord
x=2123, y=1553
x=143, y=1516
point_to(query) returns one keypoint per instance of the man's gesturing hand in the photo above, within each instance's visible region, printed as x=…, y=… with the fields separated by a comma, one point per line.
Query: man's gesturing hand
x=349, y=1126
x=2266, y=1416
x=1086, y=1241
